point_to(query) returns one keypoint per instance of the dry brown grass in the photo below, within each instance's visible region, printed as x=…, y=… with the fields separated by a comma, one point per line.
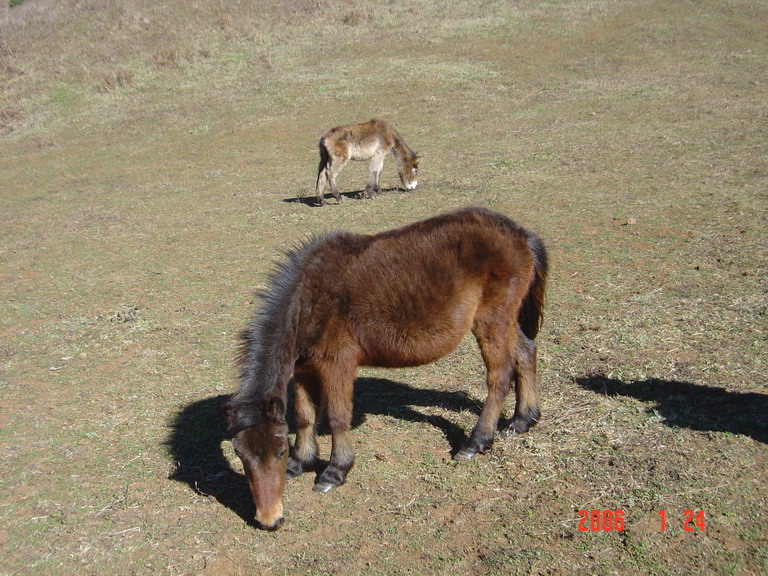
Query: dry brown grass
x=148, y=150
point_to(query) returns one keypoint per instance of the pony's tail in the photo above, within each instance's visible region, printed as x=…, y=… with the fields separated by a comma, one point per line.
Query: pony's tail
x=532, y=312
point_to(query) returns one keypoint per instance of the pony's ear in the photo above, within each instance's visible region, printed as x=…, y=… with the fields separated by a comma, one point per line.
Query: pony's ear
x=240, y=415
x=228, y=409
x=231, y=414
x=276, y=410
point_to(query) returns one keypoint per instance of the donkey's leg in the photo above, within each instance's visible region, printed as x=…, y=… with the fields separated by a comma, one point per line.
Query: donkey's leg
x=339, y=406
x=333, y=170
x=377, y=164
x=307, y=407
x=526, y=388
x=322, y=176
x=495, y=352
x=322, y=172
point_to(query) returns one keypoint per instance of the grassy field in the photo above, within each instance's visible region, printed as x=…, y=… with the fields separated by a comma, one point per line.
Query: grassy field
x=156, y=158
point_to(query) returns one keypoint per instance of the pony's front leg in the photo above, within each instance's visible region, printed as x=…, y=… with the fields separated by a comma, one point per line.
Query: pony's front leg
x=339, y=404
x=304, y=451
x=342, y=460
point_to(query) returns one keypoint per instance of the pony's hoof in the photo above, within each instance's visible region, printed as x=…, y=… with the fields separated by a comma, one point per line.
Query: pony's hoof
x=464, y=455
x=513, y=427
x=294, y=469
x=323, y=487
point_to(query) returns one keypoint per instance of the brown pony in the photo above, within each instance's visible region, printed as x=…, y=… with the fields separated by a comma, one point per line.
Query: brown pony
x=372, y=141
x=404, y=297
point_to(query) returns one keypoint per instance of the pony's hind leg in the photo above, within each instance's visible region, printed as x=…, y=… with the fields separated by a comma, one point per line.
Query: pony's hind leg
x=527, y=411
x=499, y=366
x=307, y=407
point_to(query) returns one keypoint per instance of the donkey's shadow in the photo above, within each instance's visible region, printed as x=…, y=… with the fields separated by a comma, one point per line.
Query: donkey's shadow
x=329, y=199
x=198, y=430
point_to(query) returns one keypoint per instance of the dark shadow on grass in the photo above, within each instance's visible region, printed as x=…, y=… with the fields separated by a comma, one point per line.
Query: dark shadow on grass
x=329, y=199
x=198, y=430
x=383, y=397
x=694, y=406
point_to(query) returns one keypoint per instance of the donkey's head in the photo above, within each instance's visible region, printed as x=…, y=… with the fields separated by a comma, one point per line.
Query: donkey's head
x=260, y=440
x=409, y=171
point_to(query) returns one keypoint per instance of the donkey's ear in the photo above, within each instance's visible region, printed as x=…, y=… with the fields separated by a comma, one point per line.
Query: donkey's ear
x=276, y=410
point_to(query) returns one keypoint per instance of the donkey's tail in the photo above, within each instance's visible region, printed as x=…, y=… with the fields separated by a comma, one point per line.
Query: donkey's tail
x=532, y=312
x=325, y=158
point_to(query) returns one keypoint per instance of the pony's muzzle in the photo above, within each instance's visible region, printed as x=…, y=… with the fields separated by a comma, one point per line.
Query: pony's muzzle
x=411, y=185
x=269, y=528
x=271, y=520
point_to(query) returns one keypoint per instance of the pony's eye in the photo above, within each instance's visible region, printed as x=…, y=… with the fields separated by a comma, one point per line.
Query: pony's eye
x=281, y=454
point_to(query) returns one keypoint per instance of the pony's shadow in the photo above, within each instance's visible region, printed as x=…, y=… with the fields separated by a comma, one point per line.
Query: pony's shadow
x=198, y=430
x=380, y=396
x=329, y=199
x=694, y=406
x=197, y=433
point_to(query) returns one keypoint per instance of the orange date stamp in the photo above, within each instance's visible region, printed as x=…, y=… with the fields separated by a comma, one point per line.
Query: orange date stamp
x=614, y=520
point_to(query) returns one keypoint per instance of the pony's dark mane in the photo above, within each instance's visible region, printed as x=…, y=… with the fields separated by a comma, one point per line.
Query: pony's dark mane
x=266, y=348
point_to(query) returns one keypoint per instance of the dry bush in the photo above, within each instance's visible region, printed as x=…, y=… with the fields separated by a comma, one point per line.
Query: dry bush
x=167, y=57
x=108, y=82
x=9, y=118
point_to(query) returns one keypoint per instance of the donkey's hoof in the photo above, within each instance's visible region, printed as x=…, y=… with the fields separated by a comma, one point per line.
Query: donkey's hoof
x=464, y=454
x=324, y=487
